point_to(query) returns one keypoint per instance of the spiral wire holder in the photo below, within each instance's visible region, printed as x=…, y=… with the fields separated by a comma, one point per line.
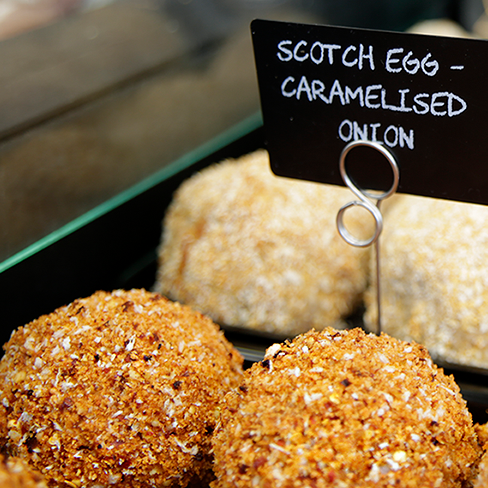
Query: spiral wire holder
x=371, y=202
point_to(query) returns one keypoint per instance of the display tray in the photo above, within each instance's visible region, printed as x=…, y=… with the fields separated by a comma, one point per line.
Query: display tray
x=115, y=246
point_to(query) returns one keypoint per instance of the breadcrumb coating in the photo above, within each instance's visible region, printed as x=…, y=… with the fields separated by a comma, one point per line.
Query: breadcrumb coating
x=254, y=250
x=435, y=278
x=482, y=432
x=345, y=409
x=118, y=388
x=16, y=473
x=481, y=480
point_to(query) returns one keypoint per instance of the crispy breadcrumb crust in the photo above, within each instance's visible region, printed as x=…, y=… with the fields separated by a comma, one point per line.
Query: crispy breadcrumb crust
x=16, y=473
x=117, y=388
x=434, y=278
x=481, y=480
x=254, y=250
x=345, y=409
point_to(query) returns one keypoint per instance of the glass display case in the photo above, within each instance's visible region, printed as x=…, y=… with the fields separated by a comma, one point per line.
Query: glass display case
x=97, y=96
x=107, y=108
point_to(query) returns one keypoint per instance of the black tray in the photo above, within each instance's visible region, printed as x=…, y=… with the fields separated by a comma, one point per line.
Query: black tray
x=115, y=246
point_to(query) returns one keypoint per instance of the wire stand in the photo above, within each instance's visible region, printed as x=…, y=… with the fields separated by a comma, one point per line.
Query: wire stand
x=371, y=202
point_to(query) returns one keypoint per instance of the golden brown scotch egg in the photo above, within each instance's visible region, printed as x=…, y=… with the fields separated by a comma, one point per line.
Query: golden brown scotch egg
x=262, y=252
x=345, y=409
x=117, y=389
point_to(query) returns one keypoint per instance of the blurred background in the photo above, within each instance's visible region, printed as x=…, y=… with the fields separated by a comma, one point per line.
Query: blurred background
x=98, y=95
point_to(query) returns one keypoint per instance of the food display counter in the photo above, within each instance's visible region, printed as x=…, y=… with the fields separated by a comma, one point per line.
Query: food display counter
x=116, y=246
x=108, y=110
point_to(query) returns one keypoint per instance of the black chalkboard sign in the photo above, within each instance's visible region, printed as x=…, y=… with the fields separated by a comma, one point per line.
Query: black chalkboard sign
x=425, y=98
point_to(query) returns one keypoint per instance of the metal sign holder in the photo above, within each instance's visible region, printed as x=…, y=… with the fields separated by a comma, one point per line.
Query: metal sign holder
x=371, y=202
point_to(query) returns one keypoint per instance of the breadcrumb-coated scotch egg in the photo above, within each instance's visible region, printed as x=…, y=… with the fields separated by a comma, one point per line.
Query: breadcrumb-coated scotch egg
x=345, y=409
x=434, y=278
x=16, y=473
x=118, y=388
x=262, y=252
